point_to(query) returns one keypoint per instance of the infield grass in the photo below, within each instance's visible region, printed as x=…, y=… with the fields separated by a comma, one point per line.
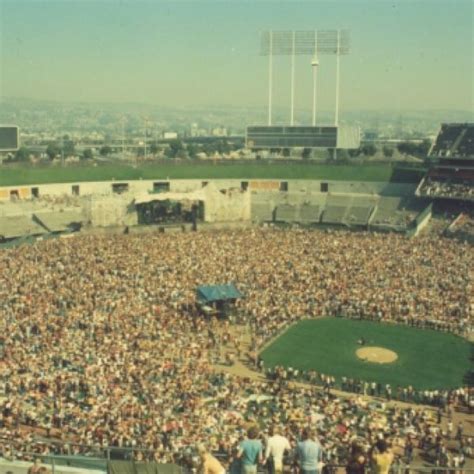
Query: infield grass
x=427, y=359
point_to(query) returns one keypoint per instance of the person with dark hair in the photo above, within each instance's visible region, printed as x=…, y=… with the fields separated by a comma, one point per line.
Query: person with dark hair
x=250, y=452
x=408, y=450
x=357, y=461
x=381, y=457
x=309, y=452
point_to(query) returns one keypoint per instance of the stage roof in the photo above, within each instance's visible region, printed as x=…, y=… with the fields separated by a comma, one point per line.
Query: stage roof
x=170, y=196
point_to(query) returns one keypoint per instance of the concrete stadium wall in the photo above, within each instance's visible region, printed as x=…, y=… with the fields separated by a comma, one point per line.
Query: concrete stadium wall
x=105, y=211
x=233, y=205
x=225, y=199
x=188, y=185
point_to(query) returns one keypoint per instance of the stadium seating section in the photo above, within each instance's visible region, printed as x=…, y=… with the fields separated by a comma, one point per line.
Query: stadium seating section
x=454, y=140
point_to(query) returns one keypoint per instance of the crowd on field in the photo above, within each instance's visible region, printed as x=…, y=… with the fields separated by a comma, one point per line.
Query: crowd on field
x=100, y=345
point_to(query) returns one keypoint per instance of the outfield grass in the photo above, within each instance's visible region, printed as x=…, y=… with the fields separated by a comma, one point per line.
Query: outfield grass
x=426, y=359
x=24, y=175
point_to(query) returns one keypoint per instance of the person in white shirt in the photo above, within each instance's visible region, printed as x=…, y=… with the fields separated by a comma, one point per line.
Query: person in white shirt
x=275, y=449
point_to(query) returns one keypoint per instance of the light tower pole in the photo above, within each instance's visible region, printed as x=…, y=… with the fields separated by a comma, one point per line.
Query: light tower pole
x=270, y=78
x=314, y=66
x=336, y=116
x=293, y=51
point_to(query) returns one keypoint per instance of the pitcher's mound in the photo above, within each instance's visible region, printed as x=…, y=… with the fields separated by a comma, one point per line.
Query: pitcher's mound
x=379, y=355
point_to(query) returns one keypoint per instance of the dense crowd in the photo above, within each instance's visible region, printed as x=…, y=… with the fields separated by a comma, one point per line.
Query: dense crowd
x=463, y=228
x=99, y=345
x=440, y=398
x=449, y=189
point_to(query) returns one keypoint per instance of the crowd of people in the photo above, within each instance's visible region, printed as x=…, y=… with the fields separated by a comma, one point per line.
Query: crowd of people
x=440, y=398
x=99, y=346
x=449, y=189
x=463, y=229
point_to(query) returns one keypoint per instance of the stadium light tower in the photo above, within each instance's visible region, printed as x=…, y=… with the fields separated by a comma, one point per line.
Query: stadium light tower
x=314, y=44
x=308, y=43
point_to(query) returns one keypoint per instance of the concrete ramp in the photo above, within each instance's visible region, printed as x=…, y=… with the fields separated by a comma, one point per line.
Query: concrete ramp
x=336, y=209
x=287, y=213
x=309, y=213
x=59, y=221
x=19, y=226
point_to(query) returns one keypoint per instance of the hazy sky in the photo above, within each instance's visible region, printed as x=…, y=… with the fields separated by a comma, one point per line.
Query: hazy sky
x=405, y=54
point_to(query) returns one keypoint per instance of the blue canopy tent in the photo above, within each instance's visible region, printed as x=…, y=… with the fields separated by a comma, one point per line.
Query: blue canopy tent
x=211, y=293
x=217, y=297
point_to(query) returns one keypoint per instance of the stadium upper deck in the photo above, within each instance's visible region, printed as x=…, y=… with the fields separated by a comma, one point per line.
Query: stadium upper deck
x=454, y=140
x=452, y=174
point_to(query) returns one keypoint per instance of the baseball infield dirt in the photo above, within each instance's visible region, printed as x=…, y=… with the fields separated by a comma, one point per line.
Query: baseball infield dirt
x=379, y=355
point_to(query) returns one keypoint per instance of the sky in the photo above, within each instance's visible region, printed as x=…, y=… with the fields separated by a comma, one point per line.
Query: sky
x=405, y=54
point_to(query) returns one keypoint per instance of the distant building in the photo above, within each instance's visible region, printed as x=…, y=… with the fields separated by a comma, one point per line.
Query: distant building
x=170, y=135
x=219, y=132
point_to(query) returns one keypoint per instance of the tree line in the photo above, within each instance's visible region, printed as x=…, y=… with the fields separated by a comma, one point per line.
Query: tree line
x=178, y=149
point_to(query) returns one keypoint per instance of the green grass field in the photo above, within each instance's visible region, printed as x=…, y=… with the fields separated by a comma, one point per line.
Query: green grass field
x=23, y=174
x=426, y=359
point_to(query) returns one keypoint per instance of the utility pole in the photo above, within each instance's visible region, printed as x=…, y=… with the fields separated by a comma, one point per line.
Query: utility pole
x=146, y=133
x=123, y=137
x=62, y=151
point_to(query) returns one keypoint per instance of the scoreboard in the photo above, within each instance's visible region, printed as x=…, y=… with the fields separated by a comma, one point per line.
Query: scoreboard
x=302, y=137
x=9, y=138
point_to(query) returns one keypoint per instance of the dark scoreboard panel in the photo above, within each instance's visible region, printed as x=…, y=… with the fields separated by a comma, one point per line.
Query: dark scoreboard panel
x=305, y=137
x=287, y=137
x=8, y=138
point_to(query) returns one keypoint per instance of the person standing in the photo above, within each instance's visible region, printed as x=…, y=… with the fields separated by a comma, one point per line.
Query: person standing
x=209, y=464
x=309, y=453
x=357, y=461
x=381, y=457
x=35, y=468
x=276, y=447
x=250, y=452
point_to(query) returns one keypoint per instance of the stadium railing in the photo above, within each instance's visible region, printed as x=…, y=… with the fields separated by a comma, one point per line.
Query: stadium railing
x=55, y=465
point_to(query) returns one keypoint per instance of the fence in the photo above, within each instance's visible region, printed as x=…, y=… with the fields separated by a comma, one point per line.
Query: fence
x=55, y=465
